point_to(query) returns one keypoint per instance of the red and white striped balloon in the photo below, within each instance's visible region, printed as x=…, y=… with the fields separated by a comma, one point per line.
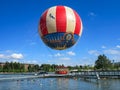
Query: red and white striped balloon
x=60, y=19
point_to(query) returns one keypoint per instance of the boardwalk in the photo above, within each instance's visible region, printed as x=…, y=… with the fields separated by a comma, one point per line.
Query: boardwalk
x=98, y=74
x=82, y=74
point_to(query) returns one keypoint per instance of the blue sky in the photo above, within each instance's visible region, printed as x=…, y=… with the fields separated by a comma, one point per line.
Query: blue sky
x=20, y=41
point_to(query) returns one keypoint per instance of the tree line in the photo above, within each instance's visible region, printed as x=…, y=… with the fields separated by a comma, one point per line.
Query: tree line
x=102, y=63
x=12, y=67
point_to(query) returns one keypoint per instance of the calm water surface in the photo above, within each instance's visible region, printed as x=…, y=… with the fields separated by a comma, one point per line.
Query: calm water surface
x=58, y=84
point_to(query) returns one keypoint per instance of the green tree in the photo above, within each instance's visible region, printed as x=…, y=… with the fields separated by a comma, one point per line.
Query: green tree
x=1, y=68
x=46, y=67
x=22, y=68
x=70, y=67
x=102, y=62
x=29, y=68
x=36, y=68
x=11, y=67
x=117, y=65
x=53, y=67
x=16, y=67
x=6, y=67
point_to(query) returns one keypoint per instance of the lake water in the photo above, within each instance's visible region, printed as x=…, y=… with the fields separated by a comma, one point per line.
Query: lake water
x=58, y=84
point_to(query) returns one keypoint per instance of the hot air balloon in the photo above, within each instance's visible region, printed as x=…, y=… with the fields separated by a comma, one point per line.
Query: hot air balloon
x=60, y=27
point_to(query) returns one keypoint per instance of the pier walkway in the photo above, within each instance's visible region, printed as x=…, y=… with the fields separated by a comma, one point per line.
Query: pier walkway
x=98, y=74
x=81, y=74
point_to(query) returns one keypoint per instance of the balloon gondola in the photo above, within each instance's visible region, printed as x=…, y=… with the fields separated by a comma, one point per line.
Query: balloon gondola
x=60, y=27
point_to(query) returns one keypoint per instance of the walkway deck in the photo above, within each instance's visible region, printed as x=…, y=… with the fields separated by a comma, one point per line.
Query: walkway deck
x=98, y=74
x=82, y=74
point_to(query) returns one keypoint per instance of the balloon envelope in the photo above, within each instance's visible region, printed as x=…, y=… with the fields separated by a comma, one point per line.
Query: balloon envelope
x=60, y=27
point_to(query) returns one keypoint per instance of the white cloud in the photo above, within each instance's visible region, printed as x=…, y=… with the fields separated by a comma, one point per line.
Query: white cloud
x=65, y=58
x=12, y=57
x=32, y=61
x=71, y=53
x=58, y=55
x=118, y=46
x=16, y=56
x=93, y=52
x=2, y=56
x=103, y=47
x=112, y=51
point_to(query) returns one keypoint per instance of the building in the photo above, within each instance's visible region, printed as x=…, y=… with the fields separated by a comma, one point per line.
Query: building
x=26, y=66
x=2, y=64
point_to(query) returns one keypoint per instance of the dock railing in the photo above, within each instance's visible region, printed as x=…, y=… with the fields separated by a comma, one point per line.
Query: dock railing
x=98, y=74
